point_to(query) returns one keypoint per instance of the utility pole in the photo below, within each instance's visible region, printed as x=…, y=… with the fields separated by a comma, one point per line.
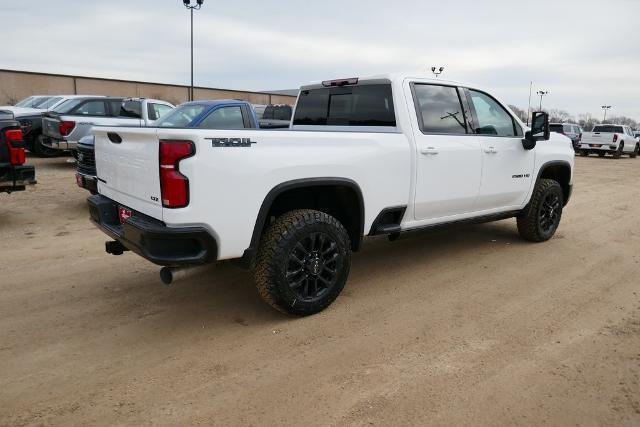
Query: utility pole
x=529, y=109
x=192, y=7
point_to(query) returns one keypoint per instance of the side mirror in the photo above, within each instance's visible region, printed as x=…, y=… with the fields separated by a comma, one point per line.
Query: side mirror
x=539, y=130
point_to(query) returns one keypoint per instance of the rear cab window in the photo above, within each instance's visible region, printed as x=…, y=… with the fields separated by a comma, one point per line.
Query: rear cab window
x=608, y=129
x=366, y=104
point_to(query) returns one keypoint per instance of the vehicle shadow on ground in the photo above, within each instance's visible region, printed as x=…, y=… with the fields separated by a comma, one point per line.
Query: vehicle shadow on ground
x=226, y=293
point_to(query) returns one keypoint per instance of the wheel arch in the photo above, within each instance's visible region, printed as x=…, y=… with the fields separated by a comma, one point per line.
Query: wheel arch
x=339, y=197
x=560, y=171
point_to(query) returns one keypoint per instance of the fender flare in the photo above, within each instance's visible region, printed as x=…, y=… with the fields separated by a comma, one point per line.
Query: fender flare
x=261, y=220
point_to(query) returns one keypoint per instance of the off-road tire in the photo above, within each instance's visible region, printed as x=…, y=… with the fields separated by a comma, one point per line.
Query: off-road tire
x=42, y=150
x=529, y=222
x=618, y=153
x=635, y=152
x=274, y=266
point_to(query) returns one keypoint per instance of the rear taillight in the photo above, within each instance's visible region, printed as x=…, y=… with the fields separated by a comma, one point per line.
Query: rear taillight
x=615, y=137
x=16, y=146
x=174, y=187
x=65, y=127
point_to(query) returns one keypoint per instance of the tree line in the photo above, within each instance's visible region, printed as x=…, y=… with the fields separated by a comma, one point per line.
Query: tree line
x=586, y=121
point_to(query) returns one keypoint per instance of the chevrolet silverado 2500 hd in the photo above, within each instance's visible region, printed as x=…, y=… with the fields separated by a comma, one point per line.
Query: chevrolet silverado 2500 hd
x=364, y=156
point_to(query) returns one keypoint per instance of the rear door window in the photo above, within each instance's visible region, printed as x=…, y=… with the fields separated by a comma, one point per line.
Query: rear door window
x=360, y=105
x=90, y=108
x=223, y=118
x=155, y=111
x=131, y=109
x=439, y=109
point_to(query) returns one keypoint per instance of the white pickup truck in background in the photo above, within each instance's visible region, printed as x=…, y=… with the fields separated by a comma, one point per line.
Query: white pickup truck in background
x=612, y=139
x=66, y=124
x=364, y=156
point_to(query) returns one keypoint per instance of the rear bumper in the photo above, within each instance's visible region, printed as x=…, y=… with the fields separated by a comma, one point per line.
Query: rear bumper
x=87, y=182
x=16, y=178
x=607, y=148
x=58, y=144
x=152, y=239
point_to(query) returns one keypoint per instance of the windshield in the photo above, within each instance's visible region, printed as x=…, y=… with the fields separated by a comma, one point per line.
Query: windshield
x=67, y=105
x=32, y=101
x=556, y=128
x=48, y=102
x=40, y=102
x=181, y=116
x=608, y=129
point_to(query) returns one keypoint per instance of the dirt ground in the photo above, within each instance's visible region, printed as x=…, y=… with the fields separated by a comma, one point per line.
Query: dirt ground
x=473, y=326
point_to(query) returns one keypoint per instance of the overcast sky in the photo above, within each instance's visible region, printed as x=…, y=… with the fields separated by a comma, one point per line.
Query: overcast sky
x=586, y=53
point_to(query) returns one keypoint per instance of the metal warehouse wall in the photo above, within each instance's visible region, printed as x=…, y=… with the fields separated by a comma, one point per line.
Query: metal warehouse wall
x=16, y=85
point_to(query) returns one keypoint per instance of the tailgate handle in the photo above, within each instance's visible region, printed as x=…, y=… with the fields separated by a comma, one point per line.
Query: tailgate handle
x=114, y=137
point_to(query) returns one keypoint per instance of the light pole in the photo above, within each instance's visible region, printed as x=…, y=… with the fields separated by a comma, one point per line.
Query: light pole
x=542, y=93
x=437, y=71
x=192, y=7
x=605, y=108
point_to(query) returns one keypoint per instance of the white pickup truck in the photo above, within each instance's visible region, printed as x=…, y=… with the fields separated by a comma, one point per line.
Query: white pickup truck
x=67, y=123
x=613, y=139
x=365, y=156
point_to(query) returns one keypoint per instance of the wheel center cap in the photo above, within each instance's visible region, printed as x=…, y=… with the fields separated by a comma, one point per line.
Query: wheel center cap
x=314, y=264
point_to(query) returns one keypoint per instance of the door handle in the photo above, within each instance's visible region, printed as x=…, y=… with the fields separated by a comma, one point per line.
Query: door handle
x=490, y=150
x=430, y=151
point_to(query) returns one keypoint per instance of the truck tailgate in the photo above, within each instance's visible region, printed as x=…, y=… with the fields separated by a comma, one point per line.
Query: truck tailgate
x=127, y=164
x=50, y=126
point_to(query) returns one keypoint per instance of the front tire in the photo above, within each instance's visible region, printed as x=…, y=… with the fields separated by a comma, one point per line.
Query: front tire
x=584, y=153
x=303, y=262
x=540, y=219
x=635, y=152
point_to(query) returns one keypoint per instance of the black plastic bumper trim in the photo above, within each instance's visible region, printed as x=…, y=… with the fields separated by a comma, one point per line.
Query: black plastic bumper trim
x=152, y=239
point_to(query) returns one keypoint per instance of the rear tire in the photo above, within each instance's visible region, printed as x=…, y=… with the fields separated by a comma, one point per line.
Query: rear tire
x=584, y=153
x=618, y=152
x=541, y=218
x=42, y=150
x=601, y=154
x=303, y=262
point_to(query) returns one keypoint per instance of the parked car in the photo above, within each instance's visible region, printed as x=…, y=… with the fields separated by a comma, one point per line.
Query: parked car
x=276, y=116
x=570, y=130
x=31, y=123
x=218, y=114
x=14, y=174
x=213, y=114
x=411, y=154
x=63, y=126
x=612, y=139
x=86, y=164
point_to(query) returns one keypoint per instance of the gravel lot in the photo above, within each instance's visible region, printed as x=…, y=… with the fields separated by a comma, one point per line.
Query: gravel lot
x=472, y=326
